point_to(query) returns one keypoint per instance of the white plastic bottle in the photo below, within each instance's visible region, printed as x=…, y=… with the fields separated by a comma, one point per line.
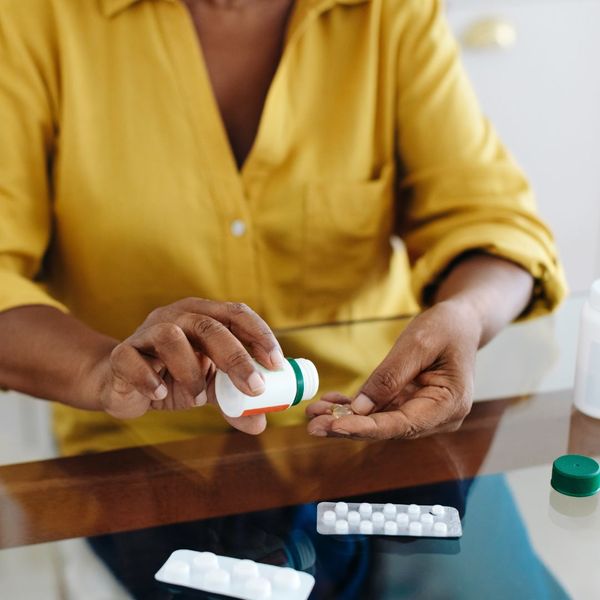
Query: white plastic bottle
x=297, y=381
x=587, y=372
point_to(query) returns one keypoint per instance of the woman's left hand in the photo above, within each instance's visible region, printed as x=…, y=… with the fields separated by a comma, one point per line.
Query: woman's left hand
x=423, y=386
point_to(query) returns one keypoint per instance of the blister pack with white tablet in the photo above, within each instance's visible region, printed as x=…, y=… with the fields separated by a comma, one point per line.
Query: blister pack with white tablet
x=343, y=518
x=234, y=577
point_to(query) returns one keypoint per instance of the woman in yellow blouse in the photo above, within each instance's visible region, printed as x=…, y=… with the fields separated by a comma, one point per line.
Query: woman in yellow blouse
x=163, y=162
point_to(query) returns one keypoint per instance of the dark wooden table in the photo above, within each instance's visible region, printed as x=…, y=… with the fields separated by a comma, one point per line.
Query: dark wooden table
x=231, y=473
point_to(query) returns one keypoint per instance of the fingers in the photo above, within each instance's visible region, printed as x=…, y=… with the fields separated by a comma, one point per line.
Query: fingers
x=336, y=398
x=321, y=424
x=222, y=331
x=412, y=354
x=432, y=410
x=201, y=399
x=411, y=420
x=132, y=384
x=253, y=424
x=326, y=404
x=169, y=359
x=243, y=323
x=385, y=385
x=169, y=343
x=423, y=385
x=133, y=372
x=224, y=349
x=128, y=406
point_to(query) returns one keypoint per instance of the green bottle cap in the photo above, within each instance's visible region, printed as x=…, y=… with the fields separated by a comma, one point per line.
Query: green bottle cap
x=576, y=475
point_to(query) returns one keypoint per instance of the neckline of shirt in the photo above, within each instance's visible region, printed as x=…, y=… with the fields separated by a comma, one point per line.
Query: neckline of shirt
x=111, y=8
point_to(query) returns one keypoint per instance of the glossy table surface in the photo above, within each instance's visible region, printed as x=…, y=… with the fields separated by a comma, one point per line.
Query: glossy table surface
x=255, y=497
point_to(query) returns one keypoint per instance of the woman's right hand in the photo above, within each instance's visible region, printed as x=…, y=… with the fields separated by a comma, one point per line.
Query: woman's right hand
x=169, y=363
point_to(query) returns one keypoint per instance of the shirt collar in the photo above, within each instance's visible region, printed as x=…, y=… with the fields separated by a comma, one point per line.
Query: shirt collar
x=112, y=7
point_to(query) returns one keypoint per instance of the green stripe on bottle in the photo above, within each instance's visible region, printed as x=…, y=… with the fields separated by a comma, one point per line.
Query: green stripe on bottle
x=299, y=381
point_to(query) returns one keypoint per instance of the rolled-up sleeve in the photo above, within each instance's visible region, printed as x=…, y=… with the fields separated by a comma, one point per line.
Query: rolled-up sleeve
x=26, y=140
x=464, y=191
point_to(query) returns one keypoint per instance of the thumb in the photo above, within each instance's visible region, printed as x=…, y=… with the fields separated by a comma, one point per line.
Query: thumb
x=253, y=424
x=397, y=371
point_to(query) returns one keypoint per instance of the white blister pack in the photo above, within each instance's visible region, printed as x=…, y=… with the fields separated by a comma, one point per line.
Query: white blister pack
x=343, y=518
x=234, y=577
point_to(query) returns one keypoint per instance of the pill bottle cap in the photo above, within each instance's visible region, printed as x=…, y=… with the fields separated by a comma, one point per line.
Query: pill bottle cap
x=307, y=379
x=594, y=297
x=576, y=475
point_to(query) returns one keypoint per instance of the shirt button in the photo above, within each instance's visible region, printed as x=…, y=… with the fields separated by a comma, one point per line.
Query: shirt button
x=237, y=228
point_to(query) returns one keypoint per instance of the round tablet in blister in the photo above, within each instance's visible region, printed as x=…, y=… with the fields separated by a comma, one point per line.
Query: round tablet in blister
x=286, y=579
x=217, y=578
x=353, y=518
x=389, y=510
x=366, y=527
x=365, y=509
x=341, y=509
x=329, y=517
x=177, y=568
x=440, y=528
x=438, y=510
x=244, y=569
x=205, y=561
x=402, y=520
x=427, y=519
x=415, y=528
x=414, y=510
x=377, y=518
x=258, y=587
x=341, y=526
x=390, y=528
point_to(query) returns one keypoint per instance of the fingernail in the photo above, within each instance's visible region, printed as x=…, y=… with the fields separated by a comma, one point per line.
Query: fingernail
x=161, y=392
x=318, y=433
x=200, y=399
x=277, y=358
x=340, y=432
x=362, y=404
x=256, y=383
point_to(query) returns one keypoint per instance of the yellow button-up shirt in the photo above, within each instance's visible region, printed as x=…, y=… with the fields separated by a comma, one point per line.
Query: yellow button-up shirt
x=119, y=191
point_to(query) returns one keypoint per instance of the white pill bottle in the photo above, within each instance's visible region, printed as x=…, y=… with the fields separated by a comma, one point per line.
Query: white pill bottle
x=297, y=381
x=587, y=372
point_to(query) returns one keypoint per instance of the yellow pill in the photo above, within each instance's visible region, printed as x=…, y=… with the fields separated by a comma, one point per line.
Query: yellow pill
x=341, y=410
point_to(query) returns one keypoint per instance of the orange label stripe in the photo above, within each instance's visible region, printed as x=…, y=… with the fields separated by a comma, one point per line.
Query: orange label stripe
x=267, y=409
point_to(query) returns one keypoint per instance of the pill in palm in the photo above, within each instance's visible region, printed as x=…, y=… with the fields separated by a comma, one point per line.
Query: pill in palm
x=341, y=410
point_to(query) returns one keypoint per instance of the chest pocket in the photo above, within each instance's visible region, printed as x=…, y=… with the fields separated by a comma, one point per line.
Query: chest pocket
x=347, y=238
